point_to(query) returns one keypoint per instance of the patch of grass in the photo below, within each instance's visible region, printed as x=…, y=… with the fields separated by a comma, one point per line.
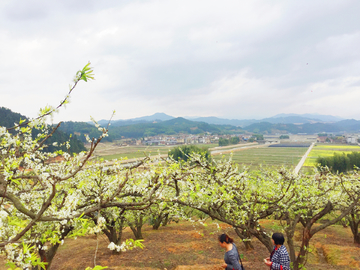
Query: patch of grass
x=342, y=255
x=273, y=225
x=313, y=256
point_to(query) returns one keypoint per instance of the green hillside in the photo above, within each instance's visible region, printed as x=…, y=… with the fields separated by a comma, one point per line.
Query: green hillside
x=140, y=130
x=9, y=118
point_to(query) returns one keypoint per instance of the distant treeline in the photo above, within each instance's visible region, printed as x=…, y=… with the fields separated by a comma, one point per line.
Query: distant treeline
x=256, y=137
x=184, y=152
x=340, y=163
x=232, y=140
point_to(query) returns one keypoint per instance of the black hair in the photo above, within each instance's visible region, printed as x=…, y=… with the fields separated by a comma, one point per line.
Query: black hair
x=278, y=238
x=225, y=238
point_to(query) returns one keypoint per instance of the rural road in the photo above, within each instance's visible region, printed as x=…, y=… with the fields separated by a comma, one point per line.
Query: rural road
x=302, y=160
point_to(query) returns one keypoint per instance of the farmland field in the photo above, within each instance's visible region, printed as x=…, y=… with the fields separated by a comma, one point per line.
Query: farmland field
x=326, y=150
x=271, y=156
x=253, y=157
x=109, y=151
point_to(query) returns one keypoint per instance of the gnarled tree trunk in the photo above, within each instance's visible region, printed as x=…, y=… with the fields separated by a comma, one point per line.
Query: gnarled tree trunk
x=354, y=222
x=157, y=220
x=136, y=227
x=245, y=238
x=49, y=254
x=165, y=220
x=114, y=233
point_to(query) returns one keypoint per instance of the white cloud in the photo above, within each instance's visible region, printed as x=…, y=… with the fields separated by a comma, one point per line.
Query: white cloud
x=239, y=59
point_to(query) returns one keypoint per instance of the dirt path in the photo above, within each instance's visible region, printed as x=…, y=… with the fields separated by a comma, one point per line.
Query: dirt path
x=232, y=146
x=244, y=147
x=302, y=160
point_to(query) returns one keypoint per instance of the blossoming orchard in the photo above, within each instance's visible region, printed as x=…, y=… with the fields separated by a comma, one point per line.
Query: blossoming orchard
x=44, y=202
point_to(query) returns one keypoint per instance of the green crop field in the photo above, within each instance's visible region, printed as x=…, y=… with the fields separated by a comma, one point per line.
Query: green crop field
x=326, y=150
x=337, y=146
x=271, y=156
x=252, y=157
x=110, y=151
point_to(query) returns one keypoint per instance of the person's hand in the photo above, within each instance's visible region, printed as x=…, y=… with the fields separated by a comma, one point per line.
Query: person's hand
x=267, y=262
x=224, y=265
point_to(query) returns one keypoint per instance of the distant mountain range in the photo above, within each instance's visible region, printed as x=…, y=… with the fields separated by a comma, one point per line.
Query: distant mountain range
x=221, y=121
x=158, y=117
x=349, y=125
x=277, y=119
x=163, y=124
x=318, y=117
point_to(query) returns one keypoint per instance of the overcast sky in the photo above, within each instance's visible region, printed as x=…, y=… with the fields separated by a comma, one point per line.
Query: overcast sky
x=230, y=59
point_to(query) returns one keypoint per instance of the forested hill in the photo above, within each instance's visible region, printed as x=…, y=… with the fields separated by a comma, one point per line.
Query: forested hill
x=181, y=125
x=349, y=125
x=140, y=130
x=169, y=127
x=9, y=118
x=82, y=128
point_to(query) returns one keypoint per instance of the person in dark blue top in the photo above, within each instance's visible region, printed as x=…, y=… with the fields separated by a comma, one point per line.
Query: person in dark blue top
x=231, y=255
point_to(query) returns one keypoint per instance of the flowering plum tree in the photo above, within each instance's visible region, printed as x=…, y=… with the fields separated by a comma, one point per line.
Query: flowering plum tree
x=241, y=199
x=353, y=218
x=316, y=196
x=29, y=182
x=144, y=193
x=162, y=213
x=141, y=186
x=42, y=201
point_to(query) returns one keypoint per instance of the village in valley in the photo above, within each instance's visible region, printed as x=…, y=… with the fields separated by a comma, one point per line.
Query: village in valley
x=180, y=139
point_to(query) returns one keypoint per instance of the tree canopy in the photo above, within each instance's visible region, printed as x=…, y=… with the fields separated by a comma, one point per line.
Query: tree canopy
x=184, y=152
x=340, y=163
